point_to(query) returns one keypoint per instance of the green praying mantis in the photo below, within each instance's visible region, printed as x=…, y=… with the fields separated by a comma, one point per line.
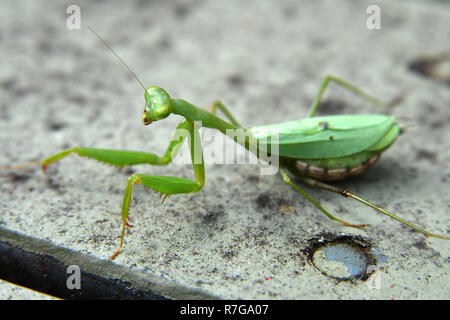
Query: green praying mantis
x=315, y=150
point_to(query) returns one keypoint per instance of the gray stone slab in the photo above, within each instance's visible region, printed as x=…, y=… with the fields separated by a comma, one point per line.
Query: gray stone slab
x=244, y=235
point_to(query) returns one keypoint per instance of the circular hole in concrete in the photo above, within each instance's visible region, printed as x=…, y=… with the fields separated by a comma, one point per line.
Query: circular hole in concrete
x=342, y=257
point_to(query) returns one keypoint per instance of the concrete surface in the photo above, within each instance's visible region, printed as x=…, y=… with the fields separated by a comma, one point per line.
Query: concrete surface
x=10, y=291
x=244, y=235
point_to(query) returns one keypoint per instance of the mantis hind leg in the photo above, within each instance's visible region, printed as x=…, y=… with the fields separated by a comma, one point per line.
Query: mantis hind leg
x=346, y=193
x=287, y=180
x=360, y=93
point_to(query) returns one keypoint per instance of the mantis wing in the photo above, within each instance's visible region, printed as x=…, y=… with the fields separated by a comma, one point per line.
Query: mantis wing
x=329, y=136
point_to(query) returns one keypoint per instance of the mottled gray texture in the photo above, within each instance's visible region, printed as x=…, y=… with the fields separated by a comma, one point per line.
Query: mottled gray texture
x=237, y=238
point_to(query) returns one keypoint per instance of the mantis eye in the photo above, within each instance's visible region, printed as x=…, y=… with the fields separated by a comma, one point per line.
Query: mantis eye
x=161, y=112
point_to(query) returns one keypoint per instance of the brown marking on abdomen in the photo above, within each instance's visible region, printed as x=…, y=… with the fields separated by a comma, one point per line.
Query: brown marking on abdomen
x=324, y=174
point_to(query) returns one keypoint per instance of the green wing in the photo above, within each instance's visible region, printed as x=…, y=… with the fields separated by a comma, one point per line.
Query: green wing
x=329, y=136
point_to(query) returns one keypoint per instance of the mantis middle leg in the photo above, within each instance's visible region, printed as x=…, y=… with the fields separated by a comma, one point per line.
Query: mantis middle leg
x=217, y=105
x=287, y=180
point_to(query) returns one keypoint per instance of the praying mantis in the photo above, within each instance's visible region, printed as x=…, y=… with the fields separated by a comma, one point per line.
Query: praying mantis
x=314, y=150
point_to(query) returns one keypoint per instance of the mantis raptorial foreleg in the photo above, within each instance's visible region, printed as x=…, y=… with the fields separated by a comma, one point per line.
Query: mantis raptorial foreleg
x=287, y=180
x=118, y=158
x=166, y=185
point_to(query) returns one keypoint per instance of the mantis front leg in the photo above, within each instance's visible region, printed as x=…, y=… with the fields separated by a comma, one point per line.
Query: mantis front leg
x=162, y=184
x=118, y=158
x=166, y=185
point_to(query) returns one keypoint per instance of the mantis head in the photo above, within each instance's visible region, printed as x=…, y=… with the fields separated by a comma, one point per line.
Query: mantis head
x=158, y=105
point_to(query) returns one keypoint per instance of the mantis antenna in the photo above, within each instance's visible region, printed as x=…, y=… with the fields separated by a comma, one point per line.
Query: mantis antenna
x=117, y=56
